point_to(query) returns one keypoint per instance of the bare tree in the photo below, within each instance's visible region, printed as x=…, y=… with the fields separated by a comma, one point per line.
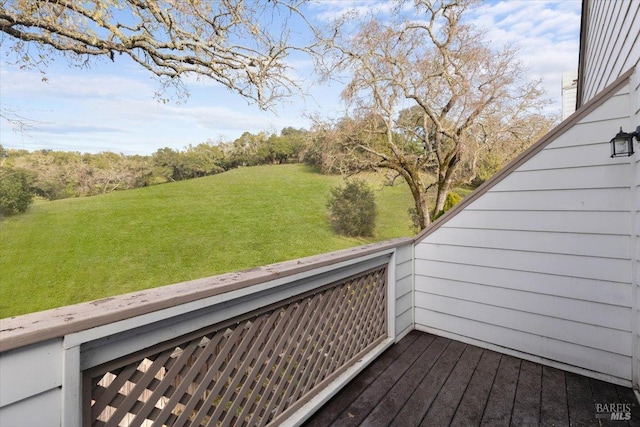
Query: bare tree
x=240, y=44
x=456, y=91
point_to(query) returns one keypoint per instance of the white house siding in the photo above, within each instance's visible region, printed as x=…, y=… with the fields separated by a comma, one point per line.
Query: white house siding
x=30, y=383
x=540, y=264
x=635, y=121
x=404, y=290
x=611, y=44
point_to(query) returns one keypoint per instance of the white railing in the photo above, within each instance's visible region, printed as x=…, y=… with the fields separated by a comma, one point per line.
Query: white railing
x=264, y=346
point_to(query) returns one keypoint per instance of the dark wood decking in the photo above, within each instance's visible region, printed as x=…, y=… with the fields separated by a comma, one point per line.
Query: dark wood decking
x=426, y=380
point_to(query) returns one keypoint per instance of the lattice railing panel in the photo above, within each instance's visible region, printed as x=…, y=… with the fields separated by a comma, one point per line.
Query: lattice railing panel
x=251, y=370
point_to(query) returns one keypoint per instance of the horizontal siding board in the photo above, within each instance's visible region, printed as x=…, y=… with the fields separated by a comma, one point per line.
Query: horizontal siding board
x=600, y=245
x=404, y=321
x=404, y=303
x=637, y=105
x=609, y=176
x=625, y=48
x=29, y=371
x=596, y=19
x=404, y=253
x=637, y=273
x=404, y=286
x=598, y=132
x=546, y=284
x=583, y=334
x=594, y=46
x=616, y=223
x=43, y=410
x=614, y=108
x=594, y=94
x=604, y=60
x=596, y=153
x=637, y=202
x=556, y=200
x=611, y=59
x=612, y=43
x=612, y=19
x=637, y=159
x=404, y=269
x=585, y=357
x=593, y=313
x=608, y=269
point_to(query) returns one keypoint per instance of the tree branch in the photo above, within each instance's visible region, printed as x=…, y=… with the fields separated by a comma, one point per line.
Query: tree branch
x=227, y=40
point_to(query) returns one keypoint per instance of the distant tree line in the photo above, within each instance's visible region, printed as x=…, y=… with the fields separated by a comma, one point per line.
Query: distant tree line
x=54, y=175
x=328, y=146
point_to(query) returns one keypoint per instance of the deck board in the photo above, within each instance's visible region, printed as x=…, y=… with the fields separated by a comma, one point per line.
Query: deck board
x=386, y=410
x=426, y=380
x=526, y=407
x=369, y=398
x=444, y=406
x=352, y=390
x=475, y=397
x=416, y=407
x=579, y=400
x=553, y=405
x=503, y=391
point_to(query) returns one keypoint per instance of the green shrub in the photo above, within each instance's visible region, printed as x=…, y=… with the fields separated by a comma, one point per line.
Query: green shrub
x=450, y=201
x=15, y=192
x=352, y=209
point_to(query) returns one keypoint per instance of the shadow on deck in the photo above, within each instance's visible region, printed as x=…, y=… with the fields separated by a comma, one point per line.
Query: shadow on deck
x=434, y=381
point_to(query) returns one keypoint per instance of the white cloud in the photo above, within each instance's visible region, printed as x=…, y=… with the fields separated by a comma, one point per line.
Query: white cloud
x=97, y=113
x=68, y=84
x=547, y=33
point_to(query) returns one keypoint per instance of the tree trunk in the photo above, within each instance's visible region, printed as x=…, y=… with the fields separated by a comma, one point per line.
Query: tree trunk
x=441, y=195
x=419, y=193
x=442, y=189
x=445, y=177
x=422, y=209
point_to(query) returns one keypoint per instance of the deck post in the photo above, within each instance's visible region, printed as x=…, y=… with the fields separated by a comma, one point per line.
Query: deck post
x=71, y=387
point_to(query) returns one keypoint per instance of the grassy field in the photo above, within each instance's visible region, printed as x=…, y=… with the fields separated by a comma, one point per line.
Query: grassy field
x=74, y=250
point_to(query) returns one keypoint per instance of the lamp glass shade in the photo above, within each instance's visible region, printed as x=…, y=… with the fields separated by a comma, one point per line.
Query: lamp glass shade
x=622, y=145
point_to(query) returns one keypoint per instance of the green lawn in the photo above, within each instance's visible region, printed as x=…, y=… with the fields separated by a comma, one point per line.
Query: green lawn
x=74, y=250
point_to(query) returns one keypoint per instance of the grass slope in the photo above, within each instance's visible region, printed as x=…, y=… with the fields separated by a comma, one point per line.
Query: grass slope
x=75, y=250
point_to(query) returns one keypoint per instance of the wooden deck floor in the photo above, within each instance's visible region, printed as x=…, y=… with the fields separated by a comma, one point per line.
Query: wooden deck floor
x=426, y=380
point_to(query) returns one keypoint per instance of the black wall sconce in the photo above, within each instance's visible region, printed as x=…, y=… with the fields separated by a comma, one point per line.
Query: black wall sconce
x=622, y=143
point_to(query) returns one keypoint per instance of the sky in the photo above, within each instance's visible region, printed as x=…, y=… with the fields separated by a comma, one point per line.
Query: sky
x=110, y=106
